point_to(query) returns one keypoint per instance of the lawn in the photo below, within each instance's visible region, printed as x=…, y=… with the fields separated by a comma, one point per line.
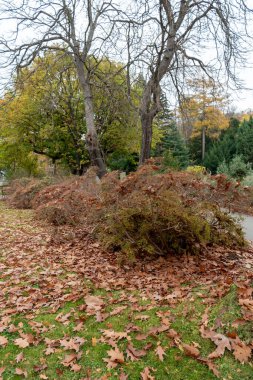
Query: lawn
x=67, y=310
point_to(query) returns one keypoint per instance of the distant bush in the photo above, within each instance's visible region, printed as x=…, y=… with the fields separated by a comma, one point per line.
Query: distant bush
x=123, y=161
x=171, y=161
x=248, y=180
x=196, y=169
x=236, y=168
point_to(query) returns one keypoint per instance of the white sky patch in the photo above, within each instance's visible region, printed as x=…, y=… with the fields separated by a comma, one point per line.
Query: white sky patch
x=241, y=99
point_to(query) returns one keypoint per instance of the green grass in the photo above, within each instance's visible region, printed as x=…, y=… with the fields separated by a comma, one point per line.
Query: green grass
x=186, y=320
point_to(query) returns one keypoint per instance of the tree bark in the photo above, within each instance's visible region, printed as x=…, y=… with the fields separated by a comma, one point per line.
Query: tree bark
x=91, y=135
x=203, y=143
x=146, y=123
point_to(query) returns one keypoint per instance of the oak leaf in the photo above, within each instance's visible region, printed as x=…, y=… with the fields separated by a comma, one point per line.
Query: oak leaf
x=190, y=350
x=20, y=357
x=222, y=342
x=22, y=343
x=115, y=357
x=160, y=352
x=2, y=369
x=3, y=341
x=242, y=353
x=134, y=354
x=70, y=344
x=21, y=372
x=68, y=359
x=146, y=375
x=94, y=302
x=76, y=367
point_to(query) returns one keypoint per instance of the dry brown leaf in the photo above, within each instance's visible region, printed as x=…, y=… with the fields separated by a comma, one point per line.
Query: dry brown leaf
x=2, y=369
x=123, y=376
x=68, y=359
x=142, y=317
x=22, y=343
x=213, y=368
x=117, y=310
x=190, y=350
x=3, y=341
x=172, y=334
x=70, y=344
x=49, y=351
x=43, y=376
x=39, y=368
x=222, y=342
x=115, y=357
x=160, y=352
x=93, y=341
x=111, y=334
x=141, y=336
x=21, y=372
x=94, y=302
x=20, y=357
x=78, y=327
x=146, y=375
x=76, y=367
x=242, y=352
x=134, y=354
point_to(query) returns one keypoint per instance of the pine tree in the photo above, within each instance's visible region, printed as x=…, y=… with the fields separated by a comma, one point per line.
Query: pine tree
x=172, y=145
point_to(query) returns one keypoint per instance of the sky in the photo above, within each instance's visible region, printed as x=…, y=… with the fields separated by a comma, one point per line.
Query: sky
x=240, y=100
x=243, y=99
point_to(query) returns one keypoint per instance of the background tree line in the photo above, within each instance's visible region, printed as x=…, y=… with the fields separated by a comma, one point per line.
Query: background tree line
x=88, y=78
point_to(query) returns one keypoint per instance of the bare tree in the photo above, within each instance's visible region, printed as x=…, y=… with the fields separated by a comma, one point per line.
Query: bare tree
x=79, y=28
x=177, y=35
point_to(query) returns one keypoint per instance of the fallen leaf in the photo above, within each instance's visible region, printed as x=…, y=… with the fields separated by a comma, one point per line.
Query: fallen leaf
x=115, y=357
x=68, y=359
x=76, y=367
x=70, y=344
x=2, y=369
x=146, y=375
x=123, y=376
x=111, y=334
x=3, y=341
x=117, y=310
x=190, y=350
x=242, y=352
x=213, y=368
x=20, y=357
x=141, y=336
x=222, y=342
x=142, y=317
x=22, y=343
x=134, y=354
x=160, y=352
x=94, y=302
x=21, y=372
x=93, y=341
x=39, y=368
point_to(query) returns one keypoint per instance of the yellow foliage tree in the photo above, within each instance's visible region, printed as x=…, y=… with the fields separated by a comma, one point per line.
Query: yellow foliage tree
x=202, y=113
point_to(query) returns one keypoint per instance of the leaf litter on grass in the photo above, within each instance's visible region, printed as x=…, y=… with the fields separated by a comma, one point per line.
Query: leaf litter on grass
x=40, y=275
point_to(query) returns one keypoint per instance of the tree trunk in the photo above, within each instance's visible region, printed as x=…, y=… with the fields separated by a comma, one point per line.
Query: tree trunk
x=92, y=142
x=146, y=124
x=203, y=143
